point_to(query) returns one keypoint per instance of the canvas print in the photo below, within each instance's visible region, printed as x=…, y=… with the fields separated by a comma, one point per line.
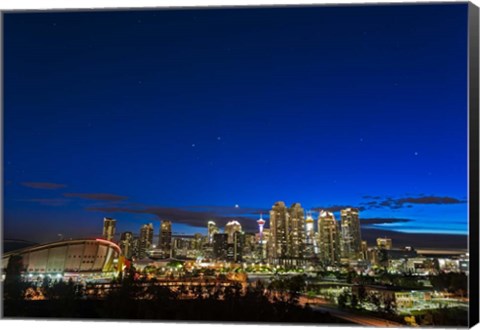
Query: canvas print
x=293, y=165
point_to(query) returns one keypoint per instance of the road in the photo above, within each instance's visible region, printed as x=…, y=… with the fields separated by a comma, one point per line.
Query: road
x=365, y=320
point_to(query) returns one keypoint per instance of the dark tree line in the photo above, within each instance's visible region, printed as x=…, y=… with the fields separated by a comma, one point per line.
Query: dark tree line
x=130, y=299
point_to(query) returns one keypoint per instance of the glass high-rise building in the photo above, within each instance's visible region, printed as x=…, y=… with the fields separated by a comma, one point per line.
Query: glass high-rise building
x=328, y=238
x=165, y=237
x=145, y=240
x=109, y=228
x=310, y=241
x=351, y=237
x=127, y=244
x=278, y=230
x=287, y=228
x=296, y=231
x=212, y=230
x=220, y=246
x=231, y=228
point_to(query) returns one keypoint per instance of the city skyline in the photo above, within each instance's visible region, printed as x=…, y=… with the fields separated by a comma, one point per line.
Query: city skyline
x=130, y=122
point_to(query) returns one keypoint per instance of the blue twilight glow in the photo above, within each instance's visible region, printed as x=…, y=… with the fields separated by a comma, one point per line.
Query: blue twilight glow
x=192, y=115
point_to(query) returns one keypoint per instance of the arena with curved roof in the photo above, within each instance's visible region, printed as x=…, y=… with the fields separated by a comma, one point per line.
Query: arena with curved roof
x=69, y=258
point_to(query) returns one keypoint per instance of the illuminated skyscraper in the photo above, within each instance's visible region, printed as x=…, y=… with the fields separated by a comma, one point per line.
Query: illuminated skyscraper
x=278, y=230
x=231, y=228
x=287, y=227
x=212, y=230
x=328, y=238
x=237, y=246
x=109, y=228
x=364, y=250
x=351, y=237
x=220, y=246
x=127, y=244
x=310, y=236
x=145, y=240
x=165, y=237
x=296, y=231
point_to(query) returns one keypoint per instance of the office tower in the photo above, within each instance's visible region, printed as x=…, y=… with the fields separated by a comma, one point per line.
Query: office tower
x=251, y=247
x=212, y=230
x=165, y=238
x=278, y=230
x=145, y=240
x=351, y=238
x=109, y=228
x=296, y=231
x=238, y=244
x=384, y=243
x=230, y=228
x=220, y=246
x=127, y=244
x=310, y=236
x=328, y=238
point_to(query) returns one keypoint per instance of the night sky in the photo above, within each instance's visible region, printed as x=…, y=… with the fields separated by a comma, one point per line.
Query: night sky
x=193, y=115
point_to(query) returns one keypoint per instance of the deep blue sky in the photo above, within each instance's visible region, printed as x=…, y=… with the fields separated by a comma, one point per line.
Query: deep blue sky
x=183, y=114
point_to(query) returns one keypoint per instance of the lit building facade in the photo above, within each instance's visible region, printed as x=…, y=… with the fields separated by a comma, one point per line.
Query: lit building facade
x=278, y=231
x=165, y=238
x=287, y=230
x=127, y=244
x=231, y=228
x=145, y=240
x=68, y=258
x=384, y=243
x=296, y=231
x=220, y=246
x=310, y=242
x=109, y=228
x=364, y=250
x=212, y=230
x=328, y=239
x=351, y=238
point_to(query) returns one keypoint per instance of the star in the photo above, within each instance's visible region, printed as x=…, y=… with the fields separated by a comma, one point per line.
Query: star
x=193, y=145
x=219, y=138
x=361, y=139
x=237, y=206
x=416, y=153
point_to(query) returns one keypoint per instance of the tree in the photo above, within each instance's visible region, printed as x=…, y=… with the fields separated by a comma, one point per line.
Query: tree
x=362, y=293
x=342, y=300
x=389, y=306
x=354, y=302
x=14, y=286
